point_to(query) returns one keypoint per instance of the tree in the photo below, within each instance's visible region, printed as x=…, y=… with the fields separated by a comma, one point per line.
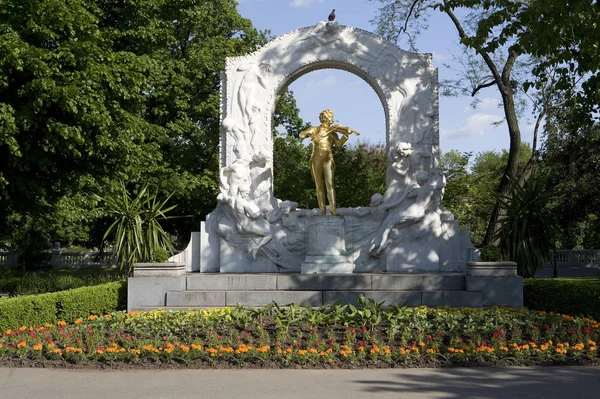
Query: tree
x=495, y=35
x=92, y=93
x=467, y=194
x=572, y=161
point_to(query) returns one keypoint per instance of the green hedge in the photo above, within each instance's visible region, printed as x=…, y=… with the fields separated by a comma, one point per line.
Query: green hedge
x=575, y=296
x=23, y=283
x=35, y=310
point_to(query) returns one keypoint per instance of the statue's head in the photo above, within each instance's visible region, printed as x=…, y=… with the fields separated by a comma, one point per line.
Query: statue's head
x=326, y=116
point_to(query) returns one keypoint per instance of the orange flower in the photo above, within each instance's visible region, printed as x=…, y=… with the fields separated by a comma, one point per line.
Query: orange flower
x=8, y=332
x=99, y=351
x=57, y=351
x=135, y=351
x=37, y=347
x=61, y=323
x=92, y=317
x=21, y=344
x=78, y=321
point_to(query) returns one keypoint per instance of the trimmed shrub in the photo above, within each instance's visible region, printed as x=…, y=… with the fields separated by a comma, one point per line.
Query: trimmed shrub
x=575, y=297
x=35, y=310
x=53, y=281
x=490, y=253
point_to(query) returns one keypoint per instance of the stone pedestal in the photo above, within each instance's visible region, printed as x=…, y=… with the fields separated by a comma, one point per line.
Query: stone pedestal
x=327, y=246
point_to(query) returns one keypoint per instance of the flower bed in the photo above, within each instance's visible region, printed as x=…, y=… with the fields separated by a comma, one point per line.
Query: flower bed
x=337, y=336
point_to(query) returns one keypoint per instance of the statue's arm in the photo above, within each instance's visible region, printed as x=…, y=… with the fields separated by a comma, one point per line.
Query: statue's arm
x=307, y=132
x=345, y=131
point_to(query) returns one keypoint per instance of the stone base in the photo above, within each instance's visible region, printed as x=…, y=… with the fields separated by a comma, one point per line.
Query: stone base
x=414, y=257
x=327, y=246
x=155, y=269
x=327, y=264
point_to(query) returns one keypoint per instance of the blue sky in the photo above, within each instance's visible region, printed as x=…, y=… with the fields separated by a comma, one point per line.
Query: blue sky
x=354, y=102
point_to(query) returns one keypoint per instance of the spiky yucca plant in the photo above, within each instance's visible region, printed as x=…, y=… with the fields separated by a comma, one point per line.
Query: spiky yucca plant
x=137, y=232
x=527, y=228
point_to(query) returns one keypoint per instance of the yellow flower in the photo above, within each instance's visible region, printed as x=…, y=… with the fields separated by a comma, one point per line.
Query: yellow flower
x=22, y=328
x=50, y=345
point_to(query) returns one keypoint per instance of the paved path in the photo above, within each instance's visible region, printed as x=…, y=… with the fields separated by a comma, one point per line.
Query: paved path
x=467, y=383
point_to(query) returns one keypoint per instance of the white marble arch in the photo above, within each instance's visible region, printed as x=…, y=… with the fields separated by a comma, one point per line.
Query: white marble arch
x=404, y=230
x=405, y=82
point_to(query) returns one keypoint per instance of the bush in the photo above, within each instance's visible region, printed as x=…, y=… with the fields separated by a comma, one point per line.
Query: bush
x=65, y=305
x=490, y=253
x=576, y=297
x=26, y=283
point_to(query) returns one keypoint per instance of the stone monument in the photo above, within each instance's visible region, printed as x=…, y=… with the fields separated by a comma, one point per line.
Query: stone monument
x=254, y=248
x=405, y=229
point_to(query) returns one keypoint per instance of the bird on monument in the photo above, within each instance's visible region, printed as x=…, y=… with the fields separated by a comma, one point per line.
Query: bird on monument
x=332, y=15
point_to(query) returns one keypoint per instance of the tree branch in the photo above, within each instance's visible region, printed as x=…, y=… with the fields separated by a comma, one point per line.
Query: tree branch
x=486, y=57
x=482, y=86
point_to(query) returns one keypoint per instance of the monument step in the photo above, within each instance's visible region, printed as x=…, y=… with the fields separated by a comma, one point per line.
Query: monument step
x=325, y=282
x=203, y=299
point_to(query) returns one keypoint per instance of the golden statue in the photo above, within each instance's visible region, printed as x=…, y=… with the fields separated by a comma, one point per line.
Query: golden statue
x=321, y=164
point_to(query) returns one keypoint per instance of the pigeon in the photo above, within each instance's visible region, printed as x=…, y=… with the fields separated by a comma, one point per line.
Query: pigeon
x=332, y=15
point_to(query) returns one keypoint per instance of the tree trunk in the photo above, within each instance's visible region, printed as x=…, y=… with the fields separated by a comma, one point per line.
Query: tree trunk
x=512, y=164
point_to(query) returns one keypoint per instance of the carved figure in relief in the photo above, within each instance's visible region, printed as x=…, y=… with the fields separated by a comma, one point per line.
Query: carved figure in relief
x=238, y=173
x=416, y=205
x=250, y=221
x=322, y=166
x=254, y=85
x=322, y=34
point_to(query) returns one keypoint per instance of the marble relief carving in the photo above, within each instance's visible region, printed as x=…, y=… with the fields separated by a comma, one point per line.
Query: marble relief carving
x=268, y=234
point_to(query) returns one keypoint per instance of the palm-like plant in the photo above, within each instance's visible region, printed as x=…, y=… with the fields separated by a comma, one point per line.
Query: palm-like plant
x=138, y=233
x=527, y=228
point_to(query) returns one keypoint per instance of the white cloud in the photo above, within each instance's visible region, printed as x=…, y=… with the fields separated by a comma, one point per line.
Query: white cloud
x=326, y=81
x=440, y=57
x=304, y=3
x=475, y=125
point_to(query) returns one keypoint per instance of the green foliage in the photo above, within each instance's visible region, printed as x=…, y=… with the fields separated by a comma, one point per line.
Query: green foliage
x=29, y=283
x=138, y=234
x=490, y=253
x=292, y=179
x=467, y=190
x=94, y=93
x=575, y=296
x=64, y=305
x=402, y=337
x=527, y=226
x=572, y=162
x=359, y=172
